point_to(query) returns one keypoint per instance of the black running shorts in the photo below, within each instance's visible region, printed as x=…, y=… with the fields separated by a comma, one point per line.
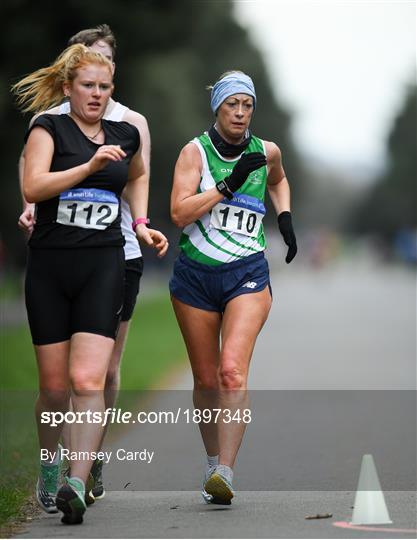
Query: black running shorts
x=133, y=273
x=74, y=290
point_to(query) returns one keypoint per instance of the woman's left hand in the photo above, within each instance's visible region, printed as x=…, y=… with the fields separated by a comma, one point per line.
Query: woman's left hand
x=152, y=238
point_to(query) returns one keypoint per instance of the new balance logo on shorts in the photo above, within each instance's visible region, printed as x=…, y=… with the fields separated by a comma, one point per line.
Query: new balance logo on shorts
x=250, y=284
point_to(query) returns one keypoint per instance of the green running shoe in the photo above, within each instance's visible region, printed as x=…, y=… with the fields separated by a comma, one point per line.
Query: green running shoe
x=47, y=485
x=89, y=497
x=97, y=473
x=70, y=503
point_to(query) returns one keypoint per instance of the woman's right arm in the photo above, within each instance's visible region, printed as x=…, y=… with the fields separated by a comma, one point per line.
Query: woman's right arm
x=39, y=184
x=187, y=205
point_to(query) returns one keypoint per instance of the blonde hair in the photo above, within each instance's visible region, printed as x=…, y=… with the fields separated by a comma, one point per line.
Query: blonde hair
x=43, y=88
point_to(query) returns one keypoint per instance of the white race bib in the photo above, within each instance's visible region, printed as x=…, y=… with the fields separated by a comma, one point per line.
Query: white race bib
x=243, y=214
x=87, y=208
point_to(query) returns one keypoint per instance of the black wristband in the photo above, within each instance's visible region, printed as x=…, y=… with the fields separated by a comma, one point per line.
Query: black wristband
x=223, y=188
x=285, y=218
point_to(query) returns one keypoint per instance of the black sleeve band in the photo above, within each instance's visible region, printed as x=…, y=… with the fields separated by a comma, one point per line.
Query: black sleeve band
x=224, y=189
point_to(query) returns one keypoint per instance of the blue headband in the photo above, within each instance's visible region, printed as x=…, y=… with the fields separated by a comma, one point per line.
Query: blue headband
x=235, y=83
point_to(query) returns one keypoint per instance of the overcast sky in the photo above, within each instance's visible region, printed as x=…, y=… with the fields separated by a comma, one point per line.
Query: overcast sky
x=341, y=66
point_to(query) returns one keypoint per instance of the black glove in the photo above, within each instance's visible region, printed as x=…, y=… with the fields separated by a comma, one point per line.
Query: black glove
x=285, y=227
x=246, y=164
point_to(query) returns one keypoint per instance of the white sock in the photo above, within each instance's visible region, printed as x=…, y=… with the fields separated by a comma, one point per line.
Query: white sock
x=212, y=461
x=226, y=472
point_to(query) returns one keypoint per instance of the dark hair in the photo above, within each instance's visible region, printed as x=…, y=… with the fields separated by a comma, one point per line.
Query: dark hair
x=89, y=36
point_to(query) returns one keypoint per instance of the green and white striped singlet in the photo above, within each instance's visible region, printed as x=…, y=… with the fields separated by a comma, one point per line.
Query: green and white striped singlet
x=233, y=229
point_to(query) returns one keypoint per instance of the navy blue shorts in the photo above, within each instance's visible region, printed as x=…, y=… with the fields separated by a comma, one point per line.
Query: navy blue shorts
x=211, y=287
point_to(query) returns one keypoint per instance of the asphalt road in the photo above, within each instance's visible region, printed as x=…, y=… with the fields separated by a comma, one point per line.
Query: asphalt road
x=254, y=515
x=334, y=372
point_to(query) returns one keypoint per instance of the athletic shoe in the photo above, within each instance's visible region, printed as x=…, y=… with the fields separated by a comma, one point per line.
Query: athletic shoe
x=97, y=473
x=69, y=502
x=89, y=486
x=47, y=485
x=89, y=497
x=208, y=499
x=46, y=498
x=65, y=471
x=219, y=488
